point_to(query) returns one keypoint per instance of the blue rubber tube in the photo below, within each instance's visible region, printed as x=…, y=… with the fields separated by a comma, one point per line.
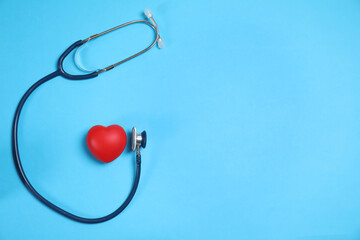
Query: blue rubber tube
x=15, y=146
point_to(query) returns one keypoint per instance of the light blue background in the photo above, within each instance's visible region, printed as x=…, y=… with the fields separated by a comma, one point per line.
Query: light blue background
x=252, y=112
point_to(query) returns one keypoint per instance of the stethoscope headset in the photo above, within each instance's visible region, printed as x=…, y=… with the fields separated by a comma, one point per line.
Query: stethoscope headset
x=138, y=140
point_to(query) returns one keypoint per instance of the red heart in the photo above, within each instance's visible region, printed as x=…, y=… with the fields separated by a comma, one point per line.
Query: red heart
x=106, y=143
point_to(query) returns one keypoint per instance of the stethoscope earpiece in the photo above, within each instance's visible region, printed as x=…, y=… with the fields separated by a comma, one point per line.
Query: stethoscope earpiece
x=138, y=140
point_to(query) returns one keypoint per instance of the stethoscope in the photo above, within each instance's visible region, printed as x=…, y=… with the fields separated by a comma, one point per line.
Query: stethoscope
x=138, y=140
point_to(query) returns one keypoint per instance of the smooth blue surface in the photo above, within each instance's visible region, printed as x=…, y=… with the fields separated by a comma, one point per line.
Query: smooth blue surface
x=252, y=112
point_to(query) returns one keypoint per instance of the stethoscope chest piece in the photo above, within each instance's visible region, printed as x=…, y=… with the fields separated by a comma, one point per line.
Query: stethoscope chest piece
x=138, y=140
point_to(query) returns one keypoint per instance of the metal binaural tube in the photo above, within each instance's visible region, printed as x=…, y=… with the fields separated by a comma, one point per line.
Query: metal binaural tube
x=150, y=23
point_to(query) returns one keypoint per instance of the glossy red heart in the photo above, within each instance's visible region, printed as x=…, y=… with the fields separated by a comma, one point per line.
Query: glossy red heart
x=106, y=143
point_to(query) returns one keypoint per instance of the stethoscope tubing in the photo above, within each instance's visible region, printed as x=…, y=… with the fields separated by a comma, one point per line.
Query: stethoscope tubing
x=61, y=72
x=26, y=181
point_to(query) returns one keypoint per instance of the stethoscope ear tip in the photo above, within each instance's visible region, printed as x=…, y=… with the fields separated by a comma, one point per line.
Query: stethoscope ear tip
x=160, y=43
x=148, y=13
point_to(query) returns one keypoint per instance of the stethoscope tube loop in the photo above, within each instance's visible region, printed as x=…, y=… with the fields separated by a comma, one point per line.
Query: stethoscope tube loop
x=60, y=64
